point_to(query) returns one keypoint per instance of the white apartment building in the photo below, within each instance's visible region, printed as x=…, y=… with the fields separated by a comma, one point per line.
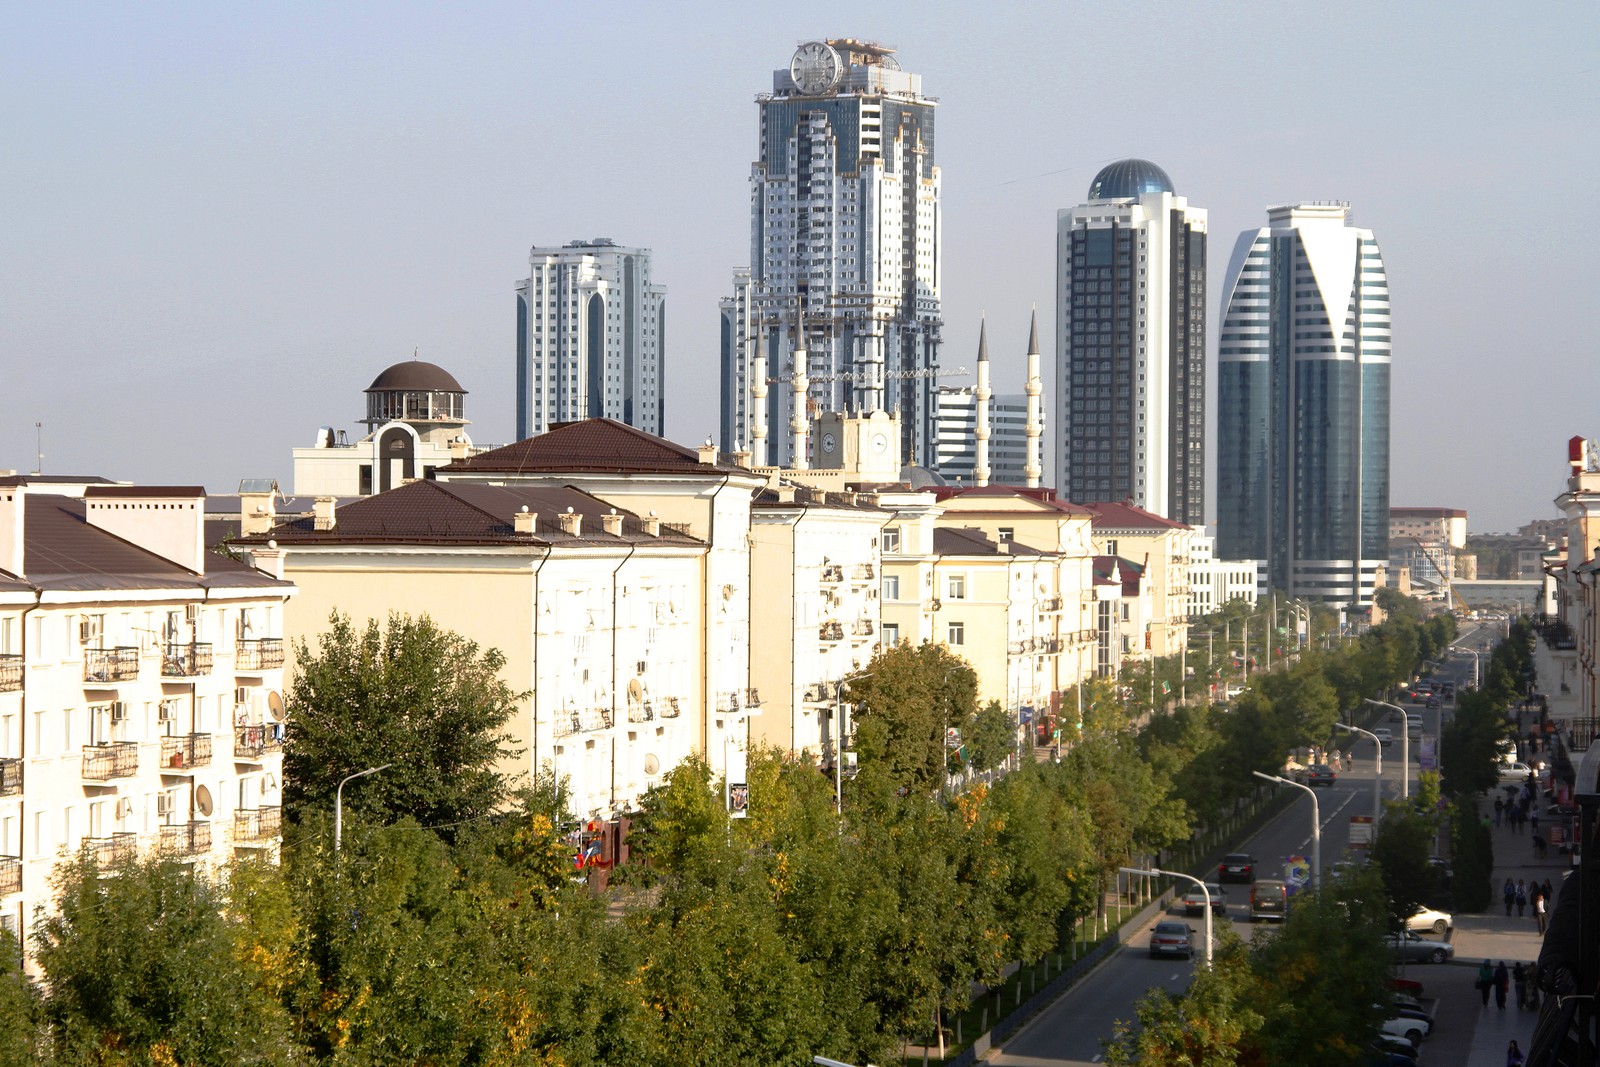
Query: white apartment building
x=140, y=686
x=1213, y=582
x=591, y=337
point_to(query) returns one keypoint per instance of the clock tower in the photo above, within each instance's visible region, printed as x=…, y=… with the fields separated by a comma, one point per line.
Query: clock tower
x=867, y=446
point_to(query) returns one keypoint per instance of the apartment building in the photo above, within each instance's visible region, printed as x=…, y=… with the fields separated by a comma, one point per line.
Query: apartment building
x=1161, y=548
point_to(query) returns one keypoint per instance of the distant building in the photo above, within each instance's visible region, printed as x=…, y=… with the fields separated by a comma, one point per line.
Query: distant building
x=1213, y=582
x=1161, y=548
x=591, y=337
x=1424, y=544
x=1303, y=405
x=988, y=439
x=1129, y=420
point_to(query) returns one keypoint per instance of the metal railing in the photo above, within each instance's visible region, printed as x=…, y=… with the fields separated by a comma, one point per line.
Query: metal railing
x=119, y=664
x=10, y=672
x=582, y=721
x=862, y=628
x=119, y=759
x=186, y=660
x=255, y=824
x=831, y=631
x=833, y=572
x=1581, y=734
x=186, y=750
x=258, y=654
x=669, y=708
x=862, y=572
x=1050, y=603
x=186, y=838
x=10, y=776
x=10, y=874
x=642, y=712
x=114, y=849
x=257, y=739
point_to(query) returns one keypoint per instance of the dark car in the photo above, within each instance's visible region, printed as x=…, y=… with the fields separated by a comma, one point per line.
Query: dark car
x=1172, y=939
x=1322, y=774
x=1269, y=899
x=1237, y=867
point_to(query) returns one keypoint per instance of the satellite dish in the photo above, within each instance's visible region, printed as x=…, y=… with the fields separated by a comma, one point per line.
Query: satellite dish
x=275, y=705
x=202, y=799
x=269, y=783
x=651, y=764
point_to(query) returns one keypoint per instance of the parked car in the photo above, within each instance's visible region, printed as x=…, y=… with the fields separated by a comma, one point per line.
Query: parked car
x=1414, y=948
x=1321, y=774
x=1408, y=986
x=1194, y=901
x=1430, y=919
x=1237, y=867
x=1269, y=899
x=1413, y=1030
x=1172, y=939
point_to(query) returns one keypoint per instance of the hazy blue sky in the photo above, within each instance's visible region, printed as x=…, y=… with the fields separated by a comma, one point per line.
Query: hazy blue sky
x=220, y=221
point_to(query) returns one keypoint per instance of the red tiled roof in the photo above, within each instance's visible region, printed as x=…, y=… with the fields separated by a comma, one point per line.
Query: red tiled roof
x=143, y=490
x=1043, y=495
x=1125, y=516
x=969, y=542
x=589, y=445
x=1114, y=570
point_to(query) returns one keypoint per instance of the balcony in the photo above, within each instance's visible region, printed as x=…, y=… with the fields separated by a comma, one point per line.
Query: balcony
x=102, y=763
x=10, y=874
x=831, y=631
x=1050, y=603
x=118, y=848
x=862, y=572
x=669, y=708
x=10, y=776
x=10, y=672
x=255, y=740
x=642, y=712
x=261, y=654
x=585, y=721
x=257, y=824
x=186, y=838
x=185, y=751
x=189, y=660
x=102, y=666
x=862, y=628
x=833, y=572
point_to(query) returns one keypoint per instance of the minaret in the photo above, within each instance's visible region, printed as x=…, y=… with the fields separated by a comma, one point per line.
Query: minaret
x=1031, y=467
x=980, y=465
x=799, y=419
x=758, y=407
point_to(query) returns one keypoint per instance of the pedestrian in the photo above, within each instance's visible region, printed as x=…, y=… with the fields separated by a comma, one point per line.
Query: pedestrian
x=1485, y=980
x=1533, y=820
x=1549, y=894
x=1499, y=810
x=1521, y=897
x=1511, y=898
x=1502, y=979
x=1539, y=912
x=1540, y=848
x=1519, y=979
x=1513, y=1055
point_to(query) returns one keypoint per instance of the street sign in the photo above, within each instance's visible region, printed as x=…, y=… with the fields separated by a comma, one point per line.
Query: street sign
x=1428, y=758
x=1360, y=831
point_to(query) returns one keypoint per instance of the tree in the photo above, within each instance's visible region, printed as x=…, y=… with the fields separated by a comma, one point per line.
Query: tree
x=905, y=701
x=991, y=738
x=1400, y=854
x=21, y=1038
x=426, y=700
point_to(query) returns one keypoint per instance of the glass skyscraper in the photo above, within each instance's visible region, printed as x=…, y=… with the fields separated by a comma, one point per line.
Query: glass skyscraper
x=1303, y=404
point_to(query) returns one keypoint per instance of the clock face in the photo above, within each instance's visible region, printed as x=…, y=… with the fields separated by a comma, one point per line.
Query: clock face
x=828, y=442
x=815, y=68
x=880, y=443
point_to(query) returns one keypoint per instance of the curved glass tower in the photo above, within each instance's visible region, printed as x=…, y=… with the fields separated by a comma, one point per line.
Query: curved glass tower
x=1303, y=404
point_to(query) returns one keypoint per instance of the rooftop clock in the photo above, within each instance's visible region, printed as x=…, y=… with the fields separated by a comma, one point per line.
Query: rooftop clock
x=816, y=68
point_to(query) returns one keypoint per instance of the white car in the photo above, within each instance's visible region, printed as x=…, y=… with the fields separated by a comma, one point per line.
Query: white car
x=1514, y=773
x=1384, y=736
x=1425, y=919
x=1413, y=1030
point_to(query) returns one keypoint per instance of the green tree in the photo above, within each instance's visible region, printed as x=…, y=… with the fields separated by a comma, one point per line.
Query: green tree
x=905, y=701
x=992, y=737
x=1212, y=1024
x=22, y=1040
x=426, y=700
x=1400, y=854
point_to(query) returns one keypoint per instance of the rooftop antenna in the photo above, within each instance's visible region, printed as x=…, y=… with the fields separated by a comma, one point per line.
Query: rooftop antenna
x=38, y=430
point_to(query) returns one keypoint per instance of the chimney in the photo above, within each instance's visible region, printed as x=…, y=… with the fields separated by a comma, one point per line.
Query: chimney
x=322, y=517
x=786, y=494
x=168, y=520
x=257, y=512
x=707, y=453
x=571, y=523
x=12, y=498
x=652, y=525
x=525, y=521
x=741, y=458
x=458, y=448
x=612, y=523
x=269, y=559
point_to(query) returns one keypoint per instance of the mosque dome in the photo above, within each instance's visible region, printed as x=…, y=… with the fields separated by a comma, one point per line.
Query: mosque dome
x=416, y=376
x=1129, y=178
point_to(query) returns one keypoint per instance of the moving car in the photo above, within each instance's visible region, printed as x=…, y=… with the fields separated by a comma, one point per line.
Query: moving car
x=1514, y=773
x=1414, y=948
x=1414, y=724
x=1172, y=939
x=1321, y=774
x=1269, y=899
x=1430, y=919
x=1194, y=901
x=1237, y=867
x=1384, y=736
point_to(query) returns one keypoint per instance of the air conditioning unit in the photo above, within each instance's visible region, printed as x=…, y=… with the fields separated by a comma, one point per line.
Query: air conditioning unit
x=163, y=803
x=119, y=712
x=191, y=612
x=85, y=631
x=165, y=712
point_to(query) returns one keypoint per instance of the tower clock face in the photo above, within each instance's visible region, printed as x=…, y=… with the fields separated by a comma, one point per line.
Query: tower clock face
x=880, y=443
x=828, y=443
x=815, y=68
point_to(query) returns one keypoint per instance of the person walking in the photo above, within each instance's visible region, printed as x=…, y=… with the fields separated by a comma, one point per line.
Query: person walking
x=1519, y=982
x=1499, y=811
x=1540, y=848
x=1539, y=913
x=1521, y=898
x=1502, y=980
x=1549, y=894
x=1485, y=980
x=1533, y=820
x=1511, y=899
x=1513, y=1055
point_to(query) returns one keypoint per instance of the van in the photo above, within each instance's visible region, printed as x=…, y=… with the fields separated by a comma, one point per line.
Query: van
x=1269, y=899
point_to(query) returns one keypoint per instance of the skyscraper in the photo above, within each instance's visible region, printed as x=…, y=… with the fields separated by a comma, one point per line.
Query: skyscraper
x=591, y=330
x=1303, y=404
x=1130, y=345
x=844, y=255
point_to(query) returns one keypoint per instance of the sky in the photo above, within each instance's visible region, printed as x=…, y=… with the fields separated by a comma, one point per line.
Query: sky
x=219, y=222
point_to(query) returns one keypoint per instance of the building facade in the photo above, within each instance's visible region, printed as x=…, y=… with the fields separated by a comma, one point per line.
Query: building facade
x=1303, y=405
x=591, y=337
x=841, y=305
x=1131, y=344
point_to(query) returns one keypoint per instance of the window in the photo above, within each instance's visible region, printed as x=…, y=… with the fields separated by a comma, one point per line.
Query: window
x=957, y=634
x=1111, y=548
x=891, y=634
x=956, y=587
x=891, y=539
x=891, y=587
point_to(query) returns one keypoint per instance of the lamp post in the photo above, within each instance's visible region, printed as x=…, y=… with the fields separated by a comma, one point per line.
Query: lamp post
x=1476, y=682
x=1377, y=775
x=1405, y=745
x=338, y=801
x=1316, y=825
x=1156, y=872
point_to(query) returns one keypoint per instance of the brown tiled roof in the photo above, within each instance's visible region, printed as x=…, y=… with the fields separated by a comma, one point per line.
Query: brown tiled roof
x=969, y=542
x=143, y=490
x=1114, y=570
x=1043, y=495
x=1124, y=515
x=589, y=445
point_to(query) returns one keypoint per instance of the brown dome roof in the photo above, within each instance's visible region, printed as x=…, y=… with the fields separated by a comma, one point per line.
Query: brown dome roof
x=415, y=376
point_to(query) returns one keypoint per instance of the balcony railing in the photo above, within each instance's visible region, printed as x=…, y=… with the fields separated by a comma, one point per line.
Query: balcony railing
x=862, y=628
x=831, y=631
x=583, y=721
x=186, y=838
x=862, y=572
x=120, y=759
x=10, y=672
x=833, y=572
x=642, y=712
x=186, y=660
x=185, y=751
x=120, y=664
x=255, y=740
x=10, y=874
x=10, y=776
x=256, y=824
x=669, y=708
x=1581, y=734
x=1050, y=603
x=113, y=849
x=259, y=654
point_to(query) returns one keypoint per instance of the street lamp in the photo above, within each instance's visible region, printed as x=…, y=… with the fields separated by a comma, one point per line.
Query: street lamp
x=1156, y=872
x=338, y=801
x=1476, y=683
x=1377, y=775
x=1316, y=825
x=1405, y=745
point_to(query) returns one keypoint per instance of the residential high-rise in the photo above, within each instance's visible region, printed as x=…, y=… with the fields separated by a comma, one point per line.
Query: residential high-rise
x=1303, y=404
x=845, y=251
x=1130, y=345
x=591, y=332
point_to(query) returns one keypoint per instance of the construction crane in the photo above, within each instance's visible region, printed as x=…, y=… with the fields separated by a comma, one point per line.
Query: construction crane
x=1442, y=566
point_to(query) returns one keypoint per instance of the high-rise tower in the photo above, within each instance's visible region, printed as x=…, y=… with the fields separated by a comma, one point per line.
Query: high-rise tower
x=591, y=330
x=1303, y=404
x=1130, y=345
x=844, y=252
